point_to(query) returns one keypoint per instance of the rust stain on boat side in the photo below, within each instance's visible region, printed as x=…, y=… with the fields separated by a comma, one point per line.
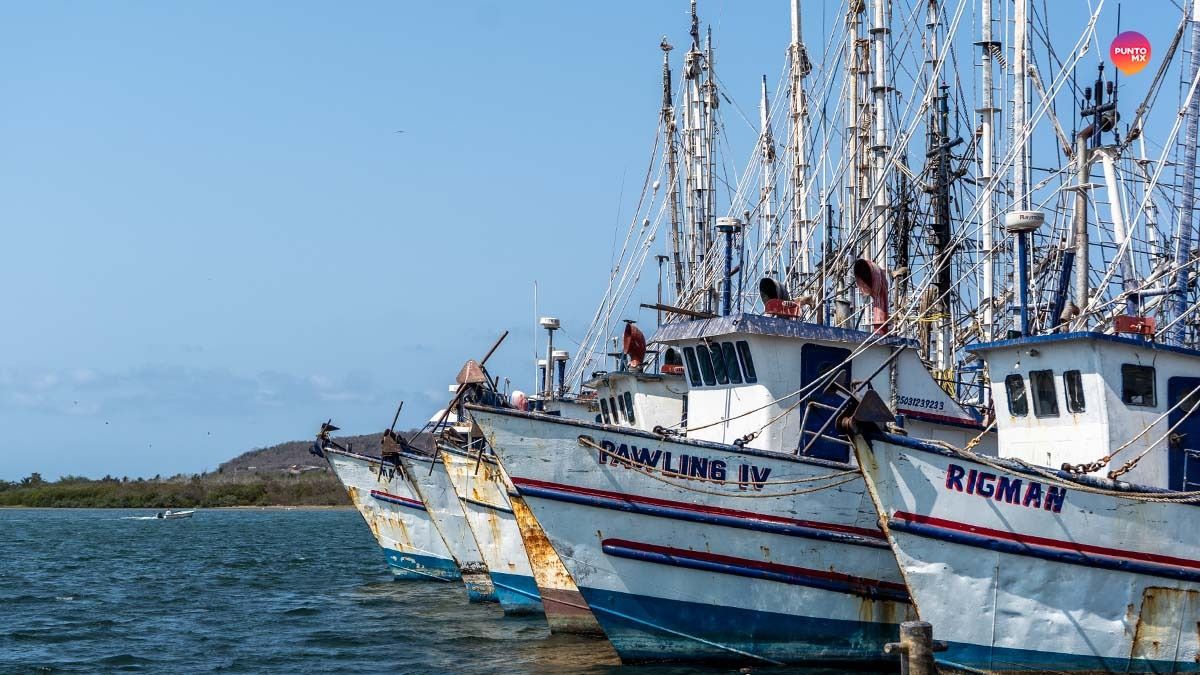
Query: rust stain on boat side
x=1164, y=628
x=566, y=610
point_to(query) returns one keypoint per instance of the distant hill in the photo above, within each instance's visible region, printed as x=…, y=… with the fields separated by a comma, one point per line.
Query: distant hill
x=281, y=475
x=294, y=456
x=287, y=456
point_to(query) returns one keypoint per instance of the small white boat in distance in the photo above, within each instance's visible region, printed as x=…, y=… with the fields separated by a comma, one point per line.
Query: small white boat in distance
x=172, y=515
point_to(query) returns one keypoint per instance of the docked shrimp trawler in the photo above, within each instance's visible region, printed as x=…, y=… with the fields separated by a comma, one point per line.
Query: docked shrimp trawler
x=1037, y=560
x=477, y=482
x=755, y=486
x=431, y=483
x=525, y=570
x=400, y=521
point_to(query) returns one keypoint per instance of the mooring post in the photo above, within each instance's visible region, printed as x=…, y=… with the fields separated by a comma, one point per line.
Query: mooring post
x=916, y=648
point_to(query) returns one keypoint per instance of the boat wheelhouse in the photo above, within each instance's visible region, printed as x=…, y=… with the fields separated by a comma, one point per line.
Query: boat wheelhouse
x=1073, y=398
x=758, y=380
x=638, y=399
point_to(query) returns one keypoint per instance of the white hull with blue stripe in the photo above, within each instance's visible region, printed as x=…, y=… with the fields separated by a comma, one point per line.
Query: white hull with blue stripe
x=1020, y=566
x=677, y=568
x=412, y=545
x=478, y=483
x=1017, y=571
x=432, y=485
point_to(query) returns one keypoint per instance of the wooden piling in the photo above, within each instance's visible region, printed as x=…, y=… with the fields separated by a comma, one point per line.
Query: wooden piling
x=916, y=648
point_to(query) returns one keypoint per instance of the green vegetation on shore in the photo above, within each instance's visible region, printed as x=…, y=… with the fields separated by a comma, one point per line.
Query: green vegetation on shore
x=311, y=488
x=281, y=475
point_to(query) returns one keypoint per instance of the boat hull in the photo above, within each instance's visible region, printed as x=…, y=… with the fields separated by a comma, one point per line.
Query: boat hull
x=399, y=520
x=1016, y=574
x=566, y=610
x=432, y=485
x=712, y=570
x=480, y=490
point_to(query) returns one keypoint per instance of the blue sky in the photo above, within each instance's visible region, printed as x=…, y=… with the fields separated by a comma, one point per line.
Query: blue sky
x=215, y=239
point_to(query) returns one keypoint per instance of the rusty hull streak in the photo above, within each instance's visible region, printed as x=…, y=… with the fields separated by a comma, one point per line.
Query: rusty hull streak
x=1162, y=626
x=566, y=610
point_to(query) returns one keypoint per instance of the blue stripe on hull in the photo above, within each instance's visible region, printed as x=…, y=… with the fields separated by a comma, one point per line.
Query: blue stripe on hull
x=517, y=594
x=413, y=566
x=654, y=629
x=1008, y=659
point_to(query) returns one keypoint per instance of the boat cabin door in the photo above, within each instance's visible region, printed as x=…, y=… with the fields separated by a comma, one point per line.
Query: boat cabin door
x=817, y=411
x=1183, y=459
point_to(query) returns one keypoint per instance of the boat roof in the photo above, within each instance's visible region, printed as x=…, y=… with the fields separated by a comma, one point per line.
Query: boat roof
x=760, y=324
x=1080, y=336
x=598, y=378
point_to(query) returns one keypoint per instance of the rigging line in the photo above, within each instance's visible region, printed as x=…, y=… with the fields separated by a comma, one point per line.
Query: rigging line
x=1084, y=312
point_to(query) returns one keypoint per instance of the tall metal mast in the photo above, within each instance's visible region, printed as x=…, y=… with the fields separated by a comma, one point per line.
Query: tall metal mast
x=694, y=152
x=766, y=143
x=880, y=30
x=1020, y=148
x=856, y=177
x=710, y=139
x=1187, y=205
x=1020, y=74
x=801, y=224
x=939, y=155
x=987, y=165
x=672, y=160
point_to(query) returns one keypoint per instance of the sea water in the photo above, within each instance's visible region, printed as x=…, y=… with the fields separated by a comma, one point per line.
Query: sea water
x=250, y=591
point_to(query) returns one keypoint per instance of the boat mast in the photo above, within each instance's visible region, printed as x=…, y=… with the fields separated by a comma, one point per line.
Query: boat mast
x=767, y=193
x=696, y=162
x=672, y=160
x=880, y=31
x=939, y=154
x=987, y=166
x=1020, y=149
x=801, y=234
x=710, y=139
x=843, y=299
x=1187, y=204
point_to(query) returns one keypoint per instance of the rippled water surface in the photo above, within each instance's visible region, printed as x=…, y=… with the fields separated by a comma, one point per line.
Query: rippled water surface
x=249, y=591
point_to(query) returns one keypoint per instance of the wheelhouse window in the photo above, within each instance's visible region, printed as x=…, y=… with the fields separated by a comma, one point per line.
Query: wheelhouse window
x=1018, y=403
x=719, y=364
x=1045, y=395
x=706, y=365
x=743, y=350
x=612, y=409
x=604, y=411
x=1137, y=385
x=712, y=363
x=629, y=408
x=1073, y=388
x=624, y=412
x=693, y=366
x=731, y=362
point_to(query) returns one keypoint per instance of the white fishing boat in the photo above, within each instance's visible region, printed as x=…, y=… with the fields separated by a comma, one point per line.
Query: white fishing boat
x=1022, y=565
x=413, y=547
x=643, y=520
x=170, y=514
x=432, y=485
x=475, y=477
